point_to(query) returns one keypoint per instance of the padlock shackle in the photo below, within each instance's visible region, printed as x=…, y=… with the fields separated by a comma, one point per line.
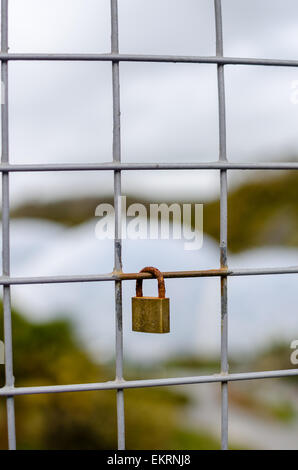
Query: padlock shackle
x=161, y=283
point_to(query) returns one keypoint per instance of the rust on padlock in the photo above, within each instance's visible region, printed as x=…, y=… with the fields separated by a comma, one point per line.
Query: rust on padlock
x=161, y=283
x=151, y=314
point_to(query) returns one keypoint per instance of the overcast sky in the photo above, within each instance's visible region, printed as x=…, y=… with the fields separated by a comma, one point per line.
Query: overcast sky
x=62, y=112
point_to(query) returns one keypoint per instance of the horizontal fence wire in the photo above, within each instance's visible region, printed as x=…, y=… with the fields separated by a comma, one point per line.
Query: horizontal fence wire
x=109, y=166
x=126, y=384
x=148, y=58
x=118, y=276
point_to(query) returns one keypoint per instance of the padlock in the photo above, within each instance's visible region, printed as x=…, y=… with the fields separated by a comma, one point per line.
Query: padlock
x=151, y=314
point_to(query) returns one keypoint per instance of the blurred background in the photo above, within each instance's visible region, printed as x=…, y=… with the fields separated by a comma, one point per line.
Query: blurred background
x=62, y=112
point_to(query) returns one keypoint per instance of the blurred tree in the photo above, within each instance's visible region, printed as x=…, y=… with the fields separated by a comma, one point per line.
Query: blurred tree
x=47, y=353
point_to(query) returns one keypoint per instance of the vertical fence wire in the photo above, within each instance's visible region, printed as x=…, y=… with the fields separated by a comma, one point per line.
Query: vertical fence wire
x=9, y=378
x=223, y=223
x=118, y=220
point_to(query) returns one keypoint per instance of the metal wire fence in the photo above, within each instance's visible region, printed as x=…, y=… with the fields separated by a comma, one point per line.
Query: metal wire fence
x=9, y=391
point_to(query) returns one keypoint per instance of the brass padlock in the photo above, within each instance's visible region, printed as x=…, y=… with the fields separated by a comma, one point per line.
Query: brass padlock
x=151, y=314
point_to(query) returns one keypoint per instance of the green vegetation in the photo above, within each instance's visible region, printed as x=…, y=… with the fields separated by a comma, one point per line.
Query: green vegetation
x=212, y=365
x=193, y=441
x=262, y=212
x=48, y=353
x=275, y=357
x=67, y=212
x=283, y=411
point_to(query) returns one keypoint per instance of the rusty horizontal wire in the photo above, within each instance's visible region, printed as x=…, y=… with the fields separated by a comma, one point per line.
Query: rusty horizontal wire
x=121, y=276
